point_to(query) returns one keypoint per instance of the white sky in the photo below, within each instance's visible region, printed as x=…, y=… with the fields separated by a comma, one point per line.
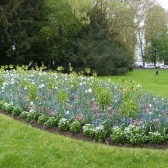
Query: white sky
x=164, y=3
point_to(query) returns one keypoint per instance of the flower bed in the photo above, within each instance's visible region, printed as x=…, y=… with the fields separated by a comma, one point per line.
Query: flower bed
x=76, y=103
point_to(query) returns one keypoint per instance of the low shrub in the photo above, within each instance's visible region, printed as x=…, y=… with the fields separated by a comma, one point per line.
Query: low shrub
x=89, y=131
x=42, y=119
x=51, y=122
x=100, y=133
x=16, y=111
x=1, y=104
x=75, y=127
x=23, y=114
x=32, y=116
x=135, y=135
x=7, y=107
x=155, y=137
x=118, y=135
x=64, y=124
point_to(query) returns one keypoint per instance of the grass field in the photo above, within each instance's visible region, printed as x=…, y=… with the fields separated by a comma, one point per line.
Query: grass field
x=157, y=84
x=22, y=146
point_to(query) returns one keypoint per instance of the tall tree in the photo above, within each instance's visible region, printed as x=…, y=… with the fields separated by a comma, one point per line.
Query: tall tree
x=61, y=25
x=21, y=24
x=155, y=31
x=98, y=45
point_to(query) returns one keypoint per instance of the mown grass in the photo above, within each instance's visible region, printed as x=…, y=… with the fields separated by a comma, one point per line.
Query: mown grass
x=22, y=146
x=157, y=84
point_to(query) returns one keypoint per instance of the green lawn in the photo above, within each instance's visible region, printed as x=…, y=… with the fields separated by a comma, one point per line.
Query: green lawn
x=22, y=146
x=157, y=84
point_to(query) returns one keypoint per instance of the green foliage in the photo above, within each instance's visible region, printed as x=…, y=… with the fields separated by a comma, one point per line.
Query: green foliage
x=62, y=97
x=7, y=107
x=88, y=130
x=131, y=96
x=100, y=133
x=64, y=124
x=135, y=135
x=24, y=114
x=118, y=135
x=42, y=119
x=60, y=68
x=32, y=116
x=61, y=25
x=129, y=108
x=1, y=104
x=1, y=81
x=103, y=96
x=51, y=122
x=98, y=45
x=16, y=111
x=156, y=34
x=32, y=92
x=75, y=127
x=20, y=30
x=155, y=137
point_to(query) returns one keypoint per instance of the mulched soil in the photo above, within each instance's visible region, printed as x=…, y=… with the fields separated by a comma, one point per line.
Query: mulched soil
x=81, y=136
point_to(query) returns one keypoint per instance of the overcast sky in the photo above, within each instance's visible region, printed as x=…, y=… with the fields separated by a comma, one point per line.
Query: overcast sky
x=164, y=3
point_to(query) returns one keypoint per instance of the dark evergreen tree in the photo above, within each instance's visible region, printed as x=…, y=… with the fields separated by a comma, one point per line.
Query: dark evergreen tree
x=96, y=49
x=21, y=21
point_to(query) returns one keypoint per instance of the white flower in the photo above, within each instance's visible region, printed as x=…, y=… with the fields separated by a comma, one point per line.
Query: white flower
x=81, y=84
x=99, y=128
x=12, y=80
x=41, y=86
x=25, y=88
x=90, y=90
x=31, y=103
x=4, y=84
x=139, y=86
x=67, y=112
x=86, y=91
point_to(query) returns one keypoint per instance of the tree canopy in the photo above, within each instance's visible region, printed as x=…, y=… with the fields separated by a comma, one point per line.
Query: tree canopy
x=99, y=34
